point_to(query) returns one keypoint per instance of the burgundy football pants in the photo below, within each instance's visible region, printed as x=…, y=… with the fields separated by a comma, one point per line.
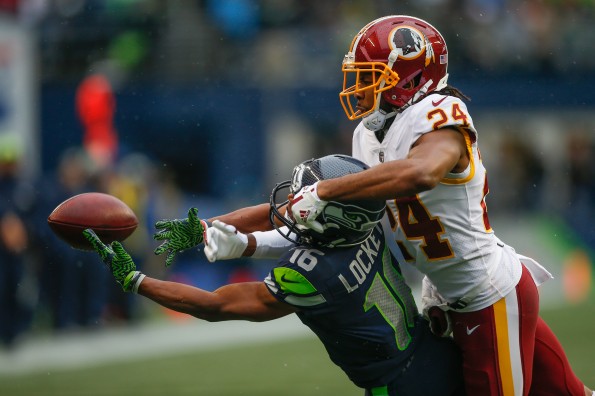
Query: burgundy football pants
x=509, y=350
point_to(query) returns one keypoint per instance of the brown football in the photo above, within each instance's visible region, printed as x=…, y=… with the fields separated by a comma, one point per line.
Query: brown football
x=110, y=218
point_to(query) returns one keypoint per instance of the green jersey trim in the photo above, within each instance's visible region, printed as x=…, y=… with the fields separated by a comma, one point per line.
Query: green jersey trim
x=292, y=281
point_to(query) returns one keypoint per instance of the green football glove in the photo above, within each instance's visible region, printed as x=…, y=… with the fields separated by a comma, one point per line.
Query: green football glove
x=117, y=260
x=179, y=235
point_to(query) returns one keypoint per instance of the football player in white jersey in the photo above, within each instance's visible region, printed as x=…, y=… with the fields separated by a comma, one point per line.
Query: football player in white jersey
x=418, y=137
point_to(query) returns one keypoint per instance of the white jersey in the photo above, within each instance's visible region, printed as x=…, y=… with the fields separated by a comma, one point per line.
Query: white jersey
x=445, y=231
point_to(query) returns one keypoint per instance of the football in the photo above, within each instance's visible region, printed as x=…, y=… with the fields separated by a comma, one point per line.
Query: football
x=110, y=218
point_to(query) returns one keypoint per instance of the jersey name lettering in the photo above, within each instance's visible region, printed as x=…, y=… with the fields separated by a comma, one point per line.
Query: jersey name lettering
x=361, y=266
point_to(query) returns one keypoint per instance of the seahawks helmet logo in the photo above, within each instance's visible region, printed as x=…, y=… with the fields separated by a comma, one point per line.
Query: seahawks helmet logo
x=349, y=217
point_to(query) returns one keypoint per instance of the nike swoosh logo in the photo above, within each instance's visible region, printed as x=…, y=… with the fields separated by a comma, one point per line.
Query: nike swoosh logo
x=471, y=330
x=285, y=280
x=438, y=102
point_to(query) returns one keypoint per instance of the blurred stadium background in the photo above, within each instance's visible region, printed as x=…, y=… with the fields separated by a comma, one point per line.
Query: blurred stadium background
x=172, y=104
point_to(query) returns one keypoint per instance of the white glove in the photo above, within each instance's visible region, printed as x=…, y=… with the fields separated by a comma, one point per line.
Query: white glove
x=306, y=206
x=224, y=242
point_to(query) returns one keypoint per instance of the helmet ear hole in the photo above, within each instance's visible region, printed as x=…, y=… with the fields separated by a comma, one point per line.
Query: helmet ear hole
x=414, y=82
x=344, y=223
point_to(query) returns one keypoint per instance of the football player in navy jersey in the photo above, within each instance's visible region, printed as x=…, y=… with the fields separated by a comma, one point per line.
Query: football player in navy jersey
x=341, y=281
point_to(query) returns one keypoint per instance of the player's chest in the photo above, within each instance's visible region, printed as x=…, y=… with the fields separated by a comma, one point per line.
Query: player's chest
x=395, y=146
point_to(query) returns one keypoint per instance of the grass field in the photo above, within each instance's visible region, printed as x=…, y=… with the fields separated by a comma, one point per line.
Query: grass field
x=288, y=368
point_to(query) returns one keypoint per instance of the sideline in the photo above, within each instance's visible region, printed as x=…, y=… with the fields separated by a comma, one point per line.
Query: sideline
x=85, y=349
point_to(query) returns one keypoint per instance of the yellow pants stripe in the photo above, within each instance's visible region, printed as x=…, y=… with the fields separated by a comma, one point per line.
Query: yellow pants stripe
x=506, y=375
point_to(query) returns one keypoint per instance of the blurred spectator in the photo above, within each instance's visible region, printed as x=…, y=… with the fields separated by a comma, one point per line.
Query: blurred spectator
x=15, y=271
x=96, y=106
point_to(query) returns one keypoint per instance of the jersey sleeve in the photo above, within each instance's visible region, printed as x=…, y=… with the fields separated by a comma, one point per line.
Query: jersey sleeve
x=288, y=284
x=441, y=111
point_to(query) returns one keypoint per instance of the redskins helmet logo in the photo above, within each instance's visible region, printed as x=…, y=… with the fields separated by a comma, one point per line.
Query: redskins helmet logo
x=410, y=43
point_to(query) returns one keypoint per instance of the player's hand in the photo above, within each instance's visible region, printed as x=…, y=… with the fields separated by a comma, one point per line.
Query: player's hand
x=117, y=260
x=179, y=235
x=440, y=321
x=224, y=242
x=435, y=309
x=305, y=207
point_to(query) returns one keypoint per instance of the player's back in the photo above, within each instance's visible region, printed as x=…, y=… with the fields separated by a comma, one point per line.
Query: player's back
x=357, y=303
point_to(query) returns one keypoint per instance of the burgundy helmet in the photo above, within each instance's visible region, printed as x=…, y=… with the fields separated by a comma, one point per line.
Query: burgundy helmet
x=407, y=57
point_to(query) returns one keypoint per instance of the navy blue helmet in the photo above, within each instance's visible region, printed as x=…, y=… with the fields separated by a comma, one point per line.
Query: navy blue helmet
x=345, y=223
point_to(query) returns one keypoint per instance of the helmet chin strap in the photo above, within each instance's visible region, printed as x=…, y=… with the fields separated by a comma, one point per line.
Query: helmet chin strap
x=377, y=119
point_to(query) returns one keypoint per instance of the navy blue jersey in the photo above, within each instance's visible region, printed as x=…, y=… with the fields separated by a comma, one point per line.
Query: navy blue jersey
x=357, y=302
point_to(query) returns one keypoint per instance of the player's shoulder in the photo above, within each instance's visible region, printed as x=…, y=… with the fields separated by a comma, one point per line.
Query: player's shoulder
x=302, y=269
x=298, y=278
x=437, y=111
x=436, y=101
x=292, y=281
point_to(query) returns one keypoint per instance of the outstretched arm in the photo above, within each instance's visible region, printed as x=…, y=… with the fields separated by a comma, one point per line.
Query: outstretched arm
x=178, y=235
x=240, y=301
x=249, y=219
x=433, y=156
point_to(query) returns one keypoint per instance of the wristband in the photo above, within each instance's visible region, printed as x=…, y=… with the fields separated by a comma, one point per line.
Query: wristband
x=136, y=280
